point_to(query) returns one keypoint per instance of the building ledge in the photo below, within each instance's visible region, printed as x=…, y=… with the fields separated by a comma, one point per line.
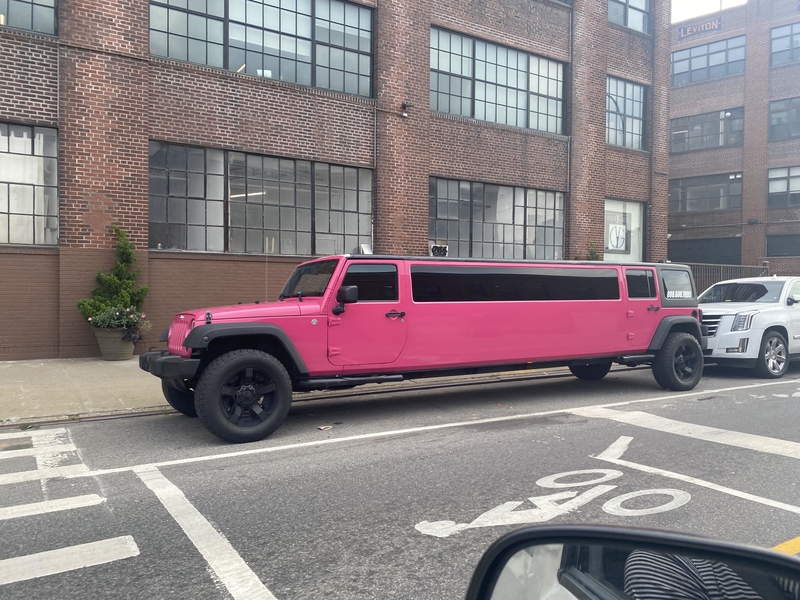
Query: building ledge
x=478, y=123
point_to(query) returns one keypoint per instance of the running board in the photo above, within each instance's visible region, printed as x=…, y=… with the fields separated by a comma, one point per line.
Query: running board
x=340, y=382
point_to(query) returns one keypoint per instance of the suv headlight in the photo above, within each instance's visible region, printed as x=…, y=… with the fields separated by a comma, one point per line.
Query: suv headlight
x=742, y=321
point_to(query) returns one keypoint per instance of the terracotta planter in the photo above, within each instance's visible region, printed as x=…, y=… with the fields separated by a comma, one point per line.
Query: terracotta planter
x=112, y=346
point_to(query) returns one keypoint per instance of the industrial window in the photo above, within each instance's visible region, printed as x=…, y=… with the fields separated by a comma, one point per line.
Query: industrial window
x=492, y=284
x=28, y=185
x=324, y=43
x=492, y=221
x=708, y=61
x=625, y=108
x=212, y=200
x=474, y=78
x=630, y=13
x=784, y=187
x=786, y=44
x=784, y=119
x=717, y=129
x=711, y=192
x=718, y=251
x=783, y=245
x=32, y=15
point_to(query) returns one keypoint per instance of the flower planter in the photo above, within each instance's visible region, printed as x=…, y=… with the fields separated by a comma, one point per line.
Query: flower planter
x=112, y=346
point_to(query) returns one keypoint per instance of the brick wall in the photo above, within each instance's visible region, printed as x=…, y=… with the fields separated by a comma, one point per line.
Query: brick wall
x=29, y=64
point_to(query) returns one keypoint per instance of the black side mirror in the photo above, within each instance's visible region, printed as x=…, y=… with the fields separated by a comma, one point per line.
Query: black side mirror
x=607, y=563
x=347, y=294
x=793, y=299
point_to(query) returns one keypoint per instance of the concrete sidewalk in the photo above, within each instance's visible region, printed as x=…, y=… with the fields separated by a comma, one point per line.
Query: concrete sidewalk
x=51, y=390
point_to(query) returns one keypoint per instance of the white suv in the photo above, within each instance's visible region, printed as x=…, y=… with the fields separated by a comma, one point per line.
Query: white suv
x=753, y=323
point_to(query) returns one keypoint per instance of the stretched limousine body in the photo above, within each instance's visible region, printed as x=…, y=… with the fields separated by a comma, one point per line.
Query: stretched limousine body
x=346, y=320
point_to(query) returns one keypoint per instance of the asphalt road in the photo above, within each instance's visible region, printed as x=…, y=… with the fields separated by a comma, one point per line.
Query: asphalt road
x=400, y=497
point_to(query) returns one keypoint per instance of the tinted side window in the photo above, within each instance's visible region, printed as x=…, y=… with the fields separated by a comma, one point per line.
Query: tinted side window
x=375, y=282
x=641, y=283
x=486, y=284
x=676, y=284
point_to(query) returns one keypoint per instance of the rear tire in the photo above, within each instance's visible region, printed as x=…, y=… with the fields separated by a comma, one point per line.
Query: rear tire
x=183, y=402
x=773, y=356
x=679, y=364
x=243, y=396
x=591, y=372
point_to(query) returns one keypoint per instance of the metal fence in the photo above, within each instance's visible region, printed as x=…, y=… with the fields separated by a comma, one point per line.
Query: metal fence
x=707, y=275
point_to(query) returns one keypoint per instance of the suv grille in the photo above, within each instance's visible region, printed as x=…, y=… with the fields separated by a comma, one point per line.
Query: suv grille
x=178, y=333
x=712, y=322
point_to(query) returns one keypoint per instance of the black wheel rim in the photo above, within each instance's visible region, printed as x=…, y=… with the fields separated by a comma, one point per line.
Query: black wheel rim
x=685, y=362
x=248, y=397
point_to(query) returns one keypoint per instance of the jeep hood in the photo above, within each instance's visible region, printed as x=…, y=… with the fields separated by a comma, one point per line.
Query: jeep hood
x=247, y=312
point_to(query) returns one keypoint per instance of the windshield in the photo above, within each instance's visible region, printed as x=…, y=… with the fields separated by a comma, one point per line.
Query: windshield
x=311, y=279
x=742, y=292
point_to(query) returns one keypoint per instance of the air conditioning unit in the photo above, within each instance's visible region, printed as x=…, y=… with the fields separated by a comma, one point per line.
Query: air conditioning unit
x=439, y=250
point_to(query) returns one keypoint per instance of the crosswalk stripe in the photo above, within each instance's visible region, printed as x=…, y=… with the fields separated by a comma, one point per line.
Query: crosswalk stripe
x=37, y=451
x=38, y=474
x=62, y=560
x=749, y=441
x=39, y=508
x=32, y=433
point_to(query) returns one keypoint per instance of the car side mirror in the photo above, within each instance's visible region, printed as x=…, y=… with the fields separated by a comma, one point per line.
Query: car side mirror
x=793, y=299
x=347, y=294
x=602, y=562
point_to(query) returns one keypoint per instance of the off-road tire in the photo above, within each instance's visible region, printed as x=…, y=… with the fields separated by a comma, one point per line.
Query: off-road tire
x=678, y=365
x=239, y=379
x=591, y=372
x=183, y=402
x=773, y=356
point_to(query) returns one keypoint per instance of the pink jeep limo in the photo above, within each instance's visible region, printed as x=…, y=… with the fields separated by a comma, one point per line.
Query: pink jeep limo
x=346, y=320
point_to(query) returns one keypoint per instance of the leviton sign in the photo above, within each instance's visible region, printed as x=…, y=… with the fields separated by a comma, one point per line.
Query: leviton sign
x=689, y=30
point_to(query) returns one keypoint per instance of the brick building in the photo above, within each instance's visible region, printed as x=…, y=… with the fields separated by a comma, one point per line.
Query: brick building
x=735, y=137
x=234, y=138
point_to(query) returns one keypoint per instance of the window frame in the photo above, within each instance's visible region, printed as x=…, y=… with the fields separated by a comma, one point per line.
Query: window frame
x=704, y=180
x=696, y=53
x=789, y=197
x=792, y=126
x=736, y=114
x=771, y=251
x=626, y=10
x=625, y=116
x=793, y=36
x=33, y=4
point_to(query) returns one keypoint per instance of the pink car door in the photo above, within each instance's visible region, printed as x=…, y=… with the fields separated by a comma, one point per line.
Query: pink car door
x=643, y=313
x=371, y=331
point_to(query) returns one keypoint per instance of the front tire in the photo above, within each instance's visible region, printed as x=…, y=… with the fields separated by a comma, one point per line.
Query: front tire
x=773, y=356
x=592, y=372
x=183, y=402
x=243, y=396
x=679, y=364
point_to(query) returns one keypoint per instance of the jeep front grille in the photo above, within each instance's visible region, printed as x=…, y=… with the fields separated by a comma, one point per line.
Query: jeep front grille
x=712, y=322
x=178, y=332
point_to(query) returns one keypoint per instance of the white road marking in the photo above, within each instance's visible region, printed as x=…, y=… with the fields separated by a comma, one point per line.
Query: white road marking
x=42, y=564
x=749, y=441
x=40, y=474
x=614, y=452
x=31, y=433
x=551, y=481
x=614, y=506
x=226, y=563
x=38, y=508
x=399, y=432
x=37, y=451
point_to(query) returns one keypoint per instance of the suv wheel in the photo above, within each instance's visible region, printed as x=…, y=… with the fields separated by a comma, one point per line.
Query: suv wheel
x=183, y=402
x=679, y=364
x=243, y=396
x=592, y=372
x=773, y=356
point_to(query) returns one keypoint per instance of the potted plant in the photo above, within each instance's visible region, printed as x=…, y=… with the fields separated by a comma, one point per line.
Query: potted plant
x=115, y=308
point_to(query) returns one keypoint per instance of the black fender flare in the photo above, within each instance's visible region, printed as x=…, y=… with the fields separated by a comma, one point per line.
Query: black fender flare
x=202, y=336
x=666, y=326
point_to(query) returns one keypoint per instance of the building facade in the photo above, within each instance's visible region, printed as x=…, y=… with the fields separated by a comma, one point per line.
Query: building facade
x=233, y=139
x=735, y=137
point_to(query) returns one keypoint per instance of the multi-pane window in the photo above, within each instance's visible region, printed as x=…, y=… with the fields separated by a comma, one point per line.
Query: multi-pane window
x=321, y=43
x=630, y=13
x=708, y=61
x=492, y=221
x=783, y=245
x=28, y=185
x=784, y=187
x=711, y=192
x=213, y=200
x=786, y=44
x=473, y=78
x=716, y=129
x=718, y=251
x=784, y=119
x=625, y=103
x=33, y=15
